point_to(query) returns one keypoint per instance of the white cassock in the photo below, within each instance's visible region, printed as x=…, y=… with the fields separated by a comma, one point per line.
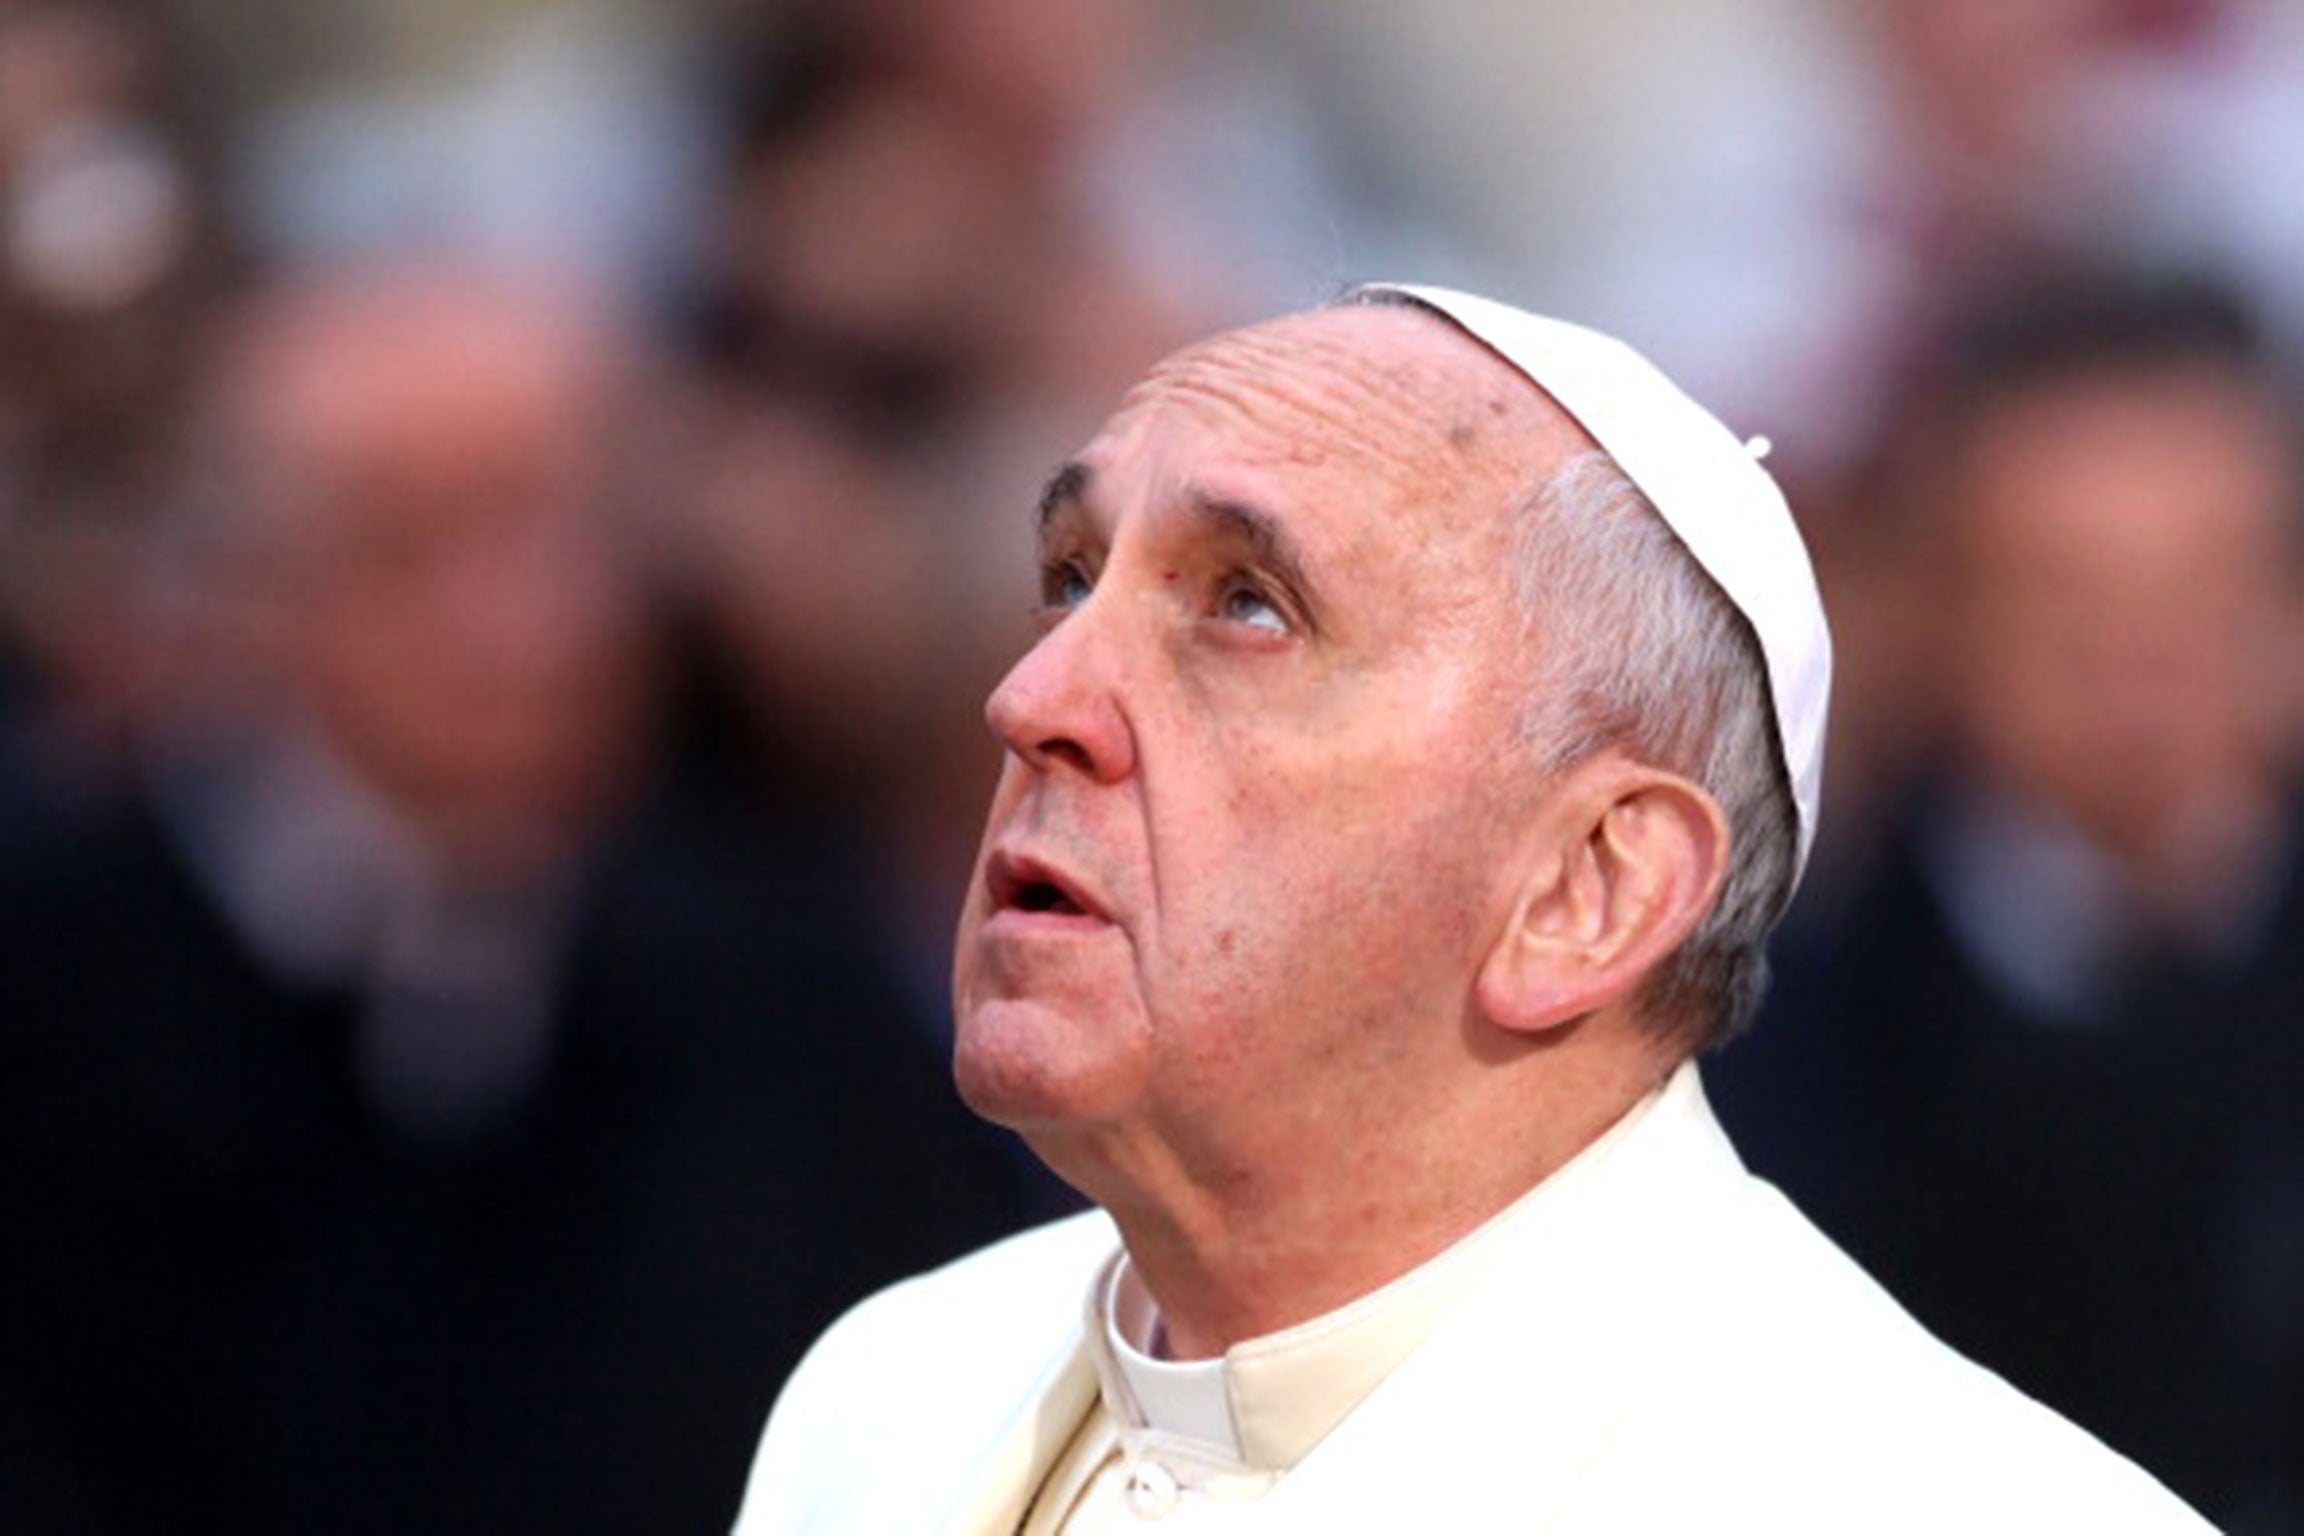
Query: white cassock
x=1650, y=1340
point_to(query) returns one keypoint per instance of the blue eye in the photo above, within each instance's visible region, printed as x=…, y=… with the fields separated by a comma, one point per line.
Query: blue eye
x=1064, y=585
x=1246, y=605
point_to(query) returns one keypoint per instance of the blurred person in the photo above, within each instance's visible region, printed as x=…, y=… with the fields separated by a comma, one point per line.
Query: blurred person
x=428, y=1099
x=1423, y=736
x=2036, y=1069
x=110, y=248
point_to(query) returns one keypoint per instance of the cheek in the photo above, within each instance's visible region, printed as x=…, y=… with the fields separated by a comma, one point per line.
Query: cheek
x=1349, y=904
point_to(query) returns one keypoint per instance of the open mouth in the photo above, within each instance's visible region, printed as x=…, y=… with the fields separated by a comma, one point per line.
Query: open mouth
x=1024, y=885
x=1044, y=896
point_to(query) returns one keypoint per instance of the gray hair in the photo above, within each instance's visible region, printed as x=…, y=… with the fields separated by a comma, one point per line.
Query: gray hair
x=1643, y=652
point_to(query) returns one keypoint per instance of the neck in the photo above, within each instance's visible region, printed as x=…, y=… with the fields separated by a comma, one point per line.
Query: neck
x=1233, y=1248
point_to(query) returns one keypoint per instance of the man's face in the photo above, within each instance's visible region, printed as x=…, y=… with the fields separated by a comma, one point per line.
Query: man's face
x=457, y=618
x=2123, y=601
x=1248, y=846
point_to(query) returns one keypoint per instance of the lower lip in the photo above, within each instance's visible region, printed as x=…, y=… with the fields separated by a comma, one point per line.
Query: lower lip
x=1020, y=922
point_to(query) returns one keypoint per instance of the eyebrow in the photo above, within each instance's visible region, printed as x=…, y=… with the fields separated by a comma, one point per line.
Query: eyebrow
x=1266, y=541
x=1068, y=487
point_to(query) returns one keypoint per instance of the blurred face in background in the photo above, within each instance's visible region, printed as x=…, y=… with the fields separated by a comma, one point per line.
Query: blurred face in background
x=427, y=469
x=2122, y=625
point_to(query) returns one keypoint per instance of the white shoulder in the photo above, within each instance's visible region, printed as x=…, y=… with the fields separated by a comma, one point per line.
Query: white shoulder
x=1035, y=1283
x=907, y=1375
x=1823, y=1402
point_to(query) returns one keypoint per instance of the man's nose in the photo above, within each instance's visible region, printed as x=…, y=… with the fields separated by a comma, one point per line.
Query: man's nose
x=1059, y=706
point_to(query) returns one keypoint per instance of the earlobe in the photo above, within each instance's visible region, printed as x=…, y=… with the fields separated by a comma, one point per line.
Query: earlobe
x=1626, y=863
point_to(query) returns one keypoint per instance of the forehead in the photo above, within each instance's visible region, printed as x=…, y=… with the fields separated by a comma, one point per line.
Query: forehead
x=1415, y=413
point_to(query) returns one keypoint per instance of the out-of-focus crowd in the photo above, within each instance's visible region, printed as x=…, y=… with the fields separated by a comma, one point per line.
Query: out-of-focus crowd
x=508, y=515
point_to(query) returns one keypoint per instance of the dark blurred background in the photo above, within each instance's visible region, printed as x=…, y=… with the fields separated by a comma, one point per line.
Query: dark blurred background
x=508, y=513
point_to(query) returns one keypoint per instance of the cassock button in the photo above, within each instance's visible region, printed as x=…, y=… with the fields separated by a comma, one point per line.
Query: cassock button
x=1152, y=1491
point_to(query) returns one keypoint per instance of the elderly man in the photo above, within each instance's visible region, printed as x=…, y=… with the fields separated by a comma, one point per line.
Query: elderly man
x=1424, y=736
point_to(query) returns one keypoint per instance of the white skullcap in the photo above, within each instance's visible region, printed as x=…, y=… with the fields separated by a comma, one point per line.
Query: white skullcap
x=1710, y=490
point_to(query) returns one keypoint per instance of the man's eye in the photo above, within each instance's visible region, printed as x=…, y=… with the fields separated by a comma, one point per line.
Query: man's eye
x=1246, y=605
x=1064, y=584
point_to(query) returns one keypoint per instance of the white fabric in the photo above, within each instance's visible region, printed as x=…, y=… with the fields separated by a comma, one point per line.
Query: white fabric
x=1708, y=487
x=1661, y=1344
x=1190, y=1444
x=1268, y=1401
x=1108, y=1484
x=1190, y=1399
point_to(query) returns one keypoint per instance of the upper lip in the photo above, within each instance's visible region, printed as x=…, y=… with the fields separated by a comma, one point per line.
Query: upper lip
x=1015, y=879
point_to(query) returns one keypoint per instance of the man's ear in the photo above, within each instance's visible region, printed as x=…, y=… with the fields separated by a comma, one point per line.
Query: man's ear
x=1623, y=861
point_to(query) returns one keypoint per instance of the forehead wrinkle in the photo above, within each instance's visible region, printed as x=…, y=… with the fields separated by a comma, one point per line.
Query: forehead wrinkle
x=1421, y=427
x=1309, y=392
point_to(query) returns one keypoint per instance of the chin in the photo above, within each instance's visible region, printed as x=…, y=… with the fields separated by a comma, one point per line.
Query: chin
x=1026, y=1066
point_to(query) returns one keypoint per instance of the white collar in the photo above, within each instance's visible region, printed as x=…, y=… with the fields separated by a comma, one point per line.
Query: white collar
x=1268, y=1401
